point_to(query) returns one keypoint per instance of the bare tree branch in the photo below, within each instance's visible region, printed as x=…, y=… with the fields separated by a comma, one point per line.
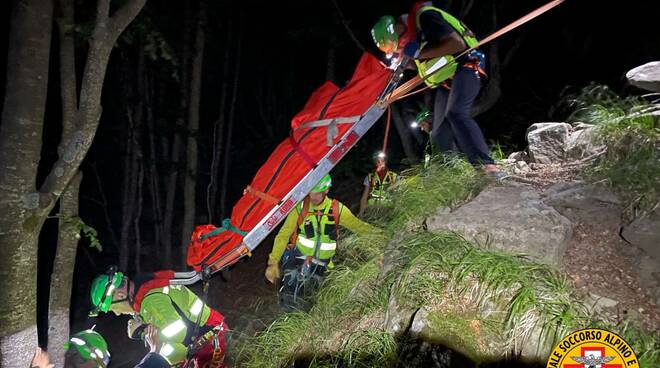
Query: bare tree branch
x=513, y=49
x=346, y=25
x=465, y=8
x=75, y=148
x=125, y=15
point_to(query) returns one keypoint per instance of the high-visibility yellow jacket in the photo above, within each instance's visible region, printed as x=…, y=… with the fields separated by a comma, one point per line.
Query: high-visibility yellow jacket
x=346, y=219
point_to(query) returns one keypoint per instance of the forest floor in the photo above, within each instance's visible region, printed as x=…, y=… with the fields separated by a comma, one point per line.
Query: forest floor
x=246, y=299
x=603, y=267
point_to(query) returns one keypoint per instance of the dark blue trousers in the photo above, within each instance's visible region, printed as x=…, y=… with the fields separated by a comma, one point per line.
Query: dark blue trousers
x=452, y=123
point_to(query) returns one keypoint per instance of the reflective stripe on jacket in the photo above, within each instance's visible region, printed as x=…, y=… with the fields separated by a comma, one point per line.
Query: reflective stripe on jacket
x=317, y=234
x=378, y=188
x=347, y=220
x=174, y=310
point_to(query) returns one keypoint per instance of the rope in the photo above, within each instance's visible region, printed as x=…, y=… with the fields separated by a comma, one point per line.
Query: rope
x=403, y=90
x=414, y=92
x=387, y=129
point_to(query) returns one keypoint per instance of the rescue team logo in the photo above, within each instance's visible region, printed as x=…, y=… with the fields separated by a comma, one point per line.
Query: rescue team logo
x=592, y=348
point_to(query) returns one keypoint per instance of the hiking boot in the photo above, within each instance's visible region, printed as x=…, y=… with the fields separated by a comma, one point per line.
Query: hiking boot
x=497, y=175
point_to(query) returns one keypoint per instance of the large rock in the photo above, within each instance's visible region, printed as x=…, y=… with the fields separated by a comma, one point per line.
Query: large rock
x=644, y=232
x=648, y=270
x=585, y=202
x=511, y=219
x=547, y=141
x=646, y=76
x=581, y=142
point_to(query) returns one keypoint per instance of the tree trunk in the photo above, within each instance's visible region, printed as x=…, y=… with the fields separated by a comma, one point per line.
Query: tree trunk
x=330, y=70
x=25, y=208
x=20, y=148
x=493, y=91
x=230, y=128
x=103, y=203
x=154, y=185
x=190, y=182
x=168, y=216
x=138, y=213
x=405, y=134
x=129, y=189
x=62, y=277
x=218, y=131
x=175, y=158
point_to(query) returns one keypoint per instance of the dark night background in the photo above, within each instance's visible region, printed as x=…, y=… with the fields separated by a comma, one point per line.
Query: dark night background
x=285, y=52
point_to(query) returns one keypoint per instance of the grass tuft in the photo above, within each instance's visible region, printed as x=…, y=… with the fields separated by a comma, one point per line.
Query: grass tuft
x=494, y=300
x=630, y=128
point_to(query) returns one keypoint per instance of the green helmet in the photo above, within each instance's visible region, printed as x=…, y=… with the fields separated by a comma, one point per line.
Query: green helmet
x=423, y=115
x=323, y=185
x=102, y=288
x=384, y=35
x=90, y=345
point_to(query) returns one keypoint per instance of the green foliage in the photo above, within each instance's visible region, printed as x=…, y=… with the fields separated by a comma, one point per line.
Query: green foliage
x=497, y=152
x=276, y=345
x=646, y=344
x=632, y=136
x=354, y=290
x=441, y=267
x=441, y=272
x=81, y=227
x=464, y=331
x=144, y=32
x=448, y=181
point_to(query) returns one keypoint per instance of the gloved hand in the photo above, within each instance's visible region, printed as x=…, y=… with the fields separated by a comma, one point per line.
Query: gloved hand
x=135, y=329
x=273, y=272
x=411, y=49
x=152, y=339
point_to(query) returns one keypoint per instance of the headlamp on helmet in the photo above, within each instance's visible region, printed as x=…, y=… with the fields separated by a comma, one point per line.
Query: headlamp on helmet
x=102, y=288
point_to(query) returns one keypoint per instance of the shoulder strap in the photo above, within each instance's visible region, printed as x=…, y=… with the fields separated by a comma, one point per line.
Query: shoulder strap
x=301, y=217
x=191, y=326
x=458, y=26
x=336, y=215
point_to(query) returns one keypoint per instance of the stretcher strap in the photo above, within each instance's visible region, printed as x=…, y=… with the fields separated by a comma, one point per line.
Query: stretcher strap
x=325, y=122
x=302, y=153
x=332, y=130
x=226, y=226
x=261, y=195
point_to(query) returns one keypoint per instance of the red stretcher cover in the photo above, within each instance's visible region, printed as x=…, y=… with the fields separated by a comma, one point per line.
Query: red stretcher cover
x=286, y=166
